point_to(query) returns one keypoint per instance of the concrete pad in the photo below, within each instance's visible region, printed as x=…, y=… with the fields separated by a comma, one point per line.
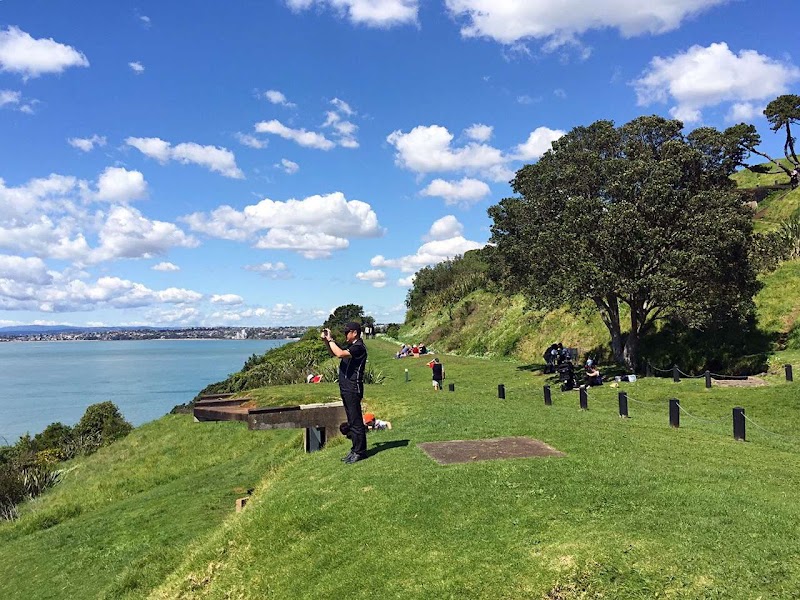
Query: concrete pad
x=461, y=451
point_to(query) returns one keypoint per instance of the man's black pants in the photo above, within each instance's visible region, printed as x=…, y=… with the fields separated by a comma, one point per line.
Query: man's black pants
x=358, y=431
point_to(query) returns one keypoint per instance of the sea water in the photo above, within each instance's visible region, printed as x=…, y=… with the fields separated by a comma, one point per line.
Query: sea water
x=45, y=382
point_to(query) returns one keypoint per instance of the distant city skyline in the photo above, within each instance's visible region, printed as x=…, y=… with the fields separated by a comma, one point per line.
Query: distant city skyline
x=260, y=164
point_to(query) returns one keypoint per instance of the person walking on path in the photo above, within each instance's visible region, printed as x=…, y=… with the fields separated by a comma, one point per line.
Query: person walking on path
x=438, y=374
x=351, y=386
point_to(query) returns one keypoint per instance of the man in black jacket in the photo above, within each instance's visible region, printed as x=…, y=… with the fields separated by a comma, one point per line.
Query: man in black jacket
x=351, y=386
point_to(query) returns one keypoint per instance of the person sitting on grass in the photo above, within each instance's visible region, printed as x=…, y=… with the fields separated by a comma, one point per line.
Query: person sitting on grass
x=593, y=376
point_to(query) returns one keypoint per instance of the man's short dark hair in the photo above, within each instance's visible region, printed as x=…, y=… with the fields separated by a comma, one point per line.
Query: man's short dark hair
x=353, y=326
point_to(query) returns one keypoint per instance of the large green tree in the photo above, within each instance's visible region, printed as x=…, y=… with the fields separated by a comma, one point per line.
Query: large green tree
x=641, y=216
x=345, y=314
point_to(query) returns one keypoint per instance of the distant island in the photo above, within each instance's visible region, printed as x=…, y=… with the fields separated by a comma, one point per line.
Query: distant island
x=56, y=333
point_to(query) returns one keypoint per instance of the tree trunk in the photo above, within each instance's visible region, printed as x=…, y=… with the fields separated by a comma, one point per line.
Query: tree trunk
x=631, y=352
x=609, y=312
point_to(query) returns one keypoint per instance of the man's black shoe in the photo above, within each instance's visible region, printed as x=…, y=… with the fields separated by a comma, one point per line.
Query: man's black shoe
x=354, y=458
x=347, y=456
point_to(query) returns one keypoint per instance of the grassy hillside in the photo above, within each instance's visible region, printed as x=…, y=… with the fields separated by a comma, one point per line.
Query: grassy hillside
x=635, y=510
x=123, y=518
x=491, y=325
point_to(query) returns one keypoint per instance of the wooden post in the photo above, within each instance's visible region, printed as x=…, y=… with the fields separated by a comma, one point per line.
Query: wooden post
x=584, y=398
x=708, y=379
x=501, y=392
x=738, y=424
x=548, y=399
x=676, y=377
x=452, y=387
x=623, y=405
x=674, y=413
x=314, y=439
x=788, y=369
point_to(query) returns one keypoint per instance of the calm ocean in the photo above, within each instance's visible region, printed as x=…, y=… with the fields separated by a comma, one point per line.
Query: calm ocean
x=44, y=382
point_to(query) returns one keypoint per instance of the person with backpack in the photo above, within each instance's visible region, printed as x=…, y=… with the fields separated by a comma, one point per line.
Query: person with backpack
x=438, y=373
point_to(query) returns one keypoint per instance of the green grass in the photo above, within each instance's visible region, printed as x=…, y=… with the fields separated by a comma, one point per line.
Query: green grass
x=778, y=303
x=749, y=179
x=635, y=510
x=123, y=518
x=490, y=325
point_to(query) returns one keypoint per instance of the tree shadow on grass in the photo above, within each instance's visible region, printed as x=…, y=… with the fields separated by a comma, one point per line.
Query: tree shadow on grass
x=381, y=446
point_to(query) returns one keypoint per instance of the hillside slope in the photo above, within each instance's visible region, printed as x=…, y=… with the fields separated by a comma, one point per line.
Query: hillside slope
x=636, y=509
x=494, y=325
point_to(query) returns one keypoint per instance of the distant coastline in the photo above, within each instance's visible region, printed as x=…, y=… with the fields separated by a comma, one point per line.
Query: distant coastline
x=74, y=334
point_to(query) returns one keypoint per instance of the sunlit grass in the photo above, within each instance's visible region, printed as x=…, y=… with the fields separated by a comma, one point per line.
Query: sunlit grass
x=635, y=510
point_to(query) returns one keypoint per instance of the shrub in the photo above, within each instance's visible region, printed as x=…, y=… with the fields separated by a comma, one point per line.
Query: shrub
x=37, y=479
x=12, y=492
x=393, y=330
x=104, y=420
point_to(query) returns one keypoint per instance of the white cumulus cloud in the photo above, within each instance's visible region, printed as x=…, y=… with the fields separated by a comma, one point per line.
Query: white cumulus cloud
x=136, y=67
x=308, y=139
x=276, y=97
x=66, y=293
x=428, y=149
x=539, y=141
x=87, y=144
x=126, y=233
x=166, y=267
x=372, y=13
x=702, y=77
x=54, y=217
x=227, y=299
x=288, y=166
x=117, y=184
x=9, y=97
x=444, y=241
x=444, y=229
x=315, y=226
x=24, y=270
x=251, y=141
x=374, y=276
x=466, y=191
x=556, y=23
x=479, y=132
x=214, y=158
x=271, y=270
x=30, y=57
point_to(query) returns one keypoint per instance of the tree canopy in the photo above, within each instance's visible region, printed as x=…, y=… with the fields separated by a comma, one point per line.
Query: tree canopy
x=345, y=314
x=638, y=215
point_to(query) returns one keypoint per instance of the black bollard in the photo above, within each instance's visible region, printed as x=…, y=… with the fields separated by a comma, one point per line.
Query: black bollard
x=789, y=376
x=738, y=424
x=623, y=404
x=584, y=398
x=548, y=399
x=675, y=375
x=501, y=392
x=674, y=413
x=452, y=387
x=708, y=379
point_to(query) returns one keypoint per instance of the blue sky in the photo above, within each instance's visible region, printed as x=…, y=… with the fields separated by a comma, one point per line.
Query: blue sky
x=260, y=163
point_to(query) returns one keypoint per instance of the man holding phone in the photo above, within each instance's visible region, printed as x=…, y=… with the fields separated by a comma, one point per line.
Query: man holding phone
x=351, y=385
